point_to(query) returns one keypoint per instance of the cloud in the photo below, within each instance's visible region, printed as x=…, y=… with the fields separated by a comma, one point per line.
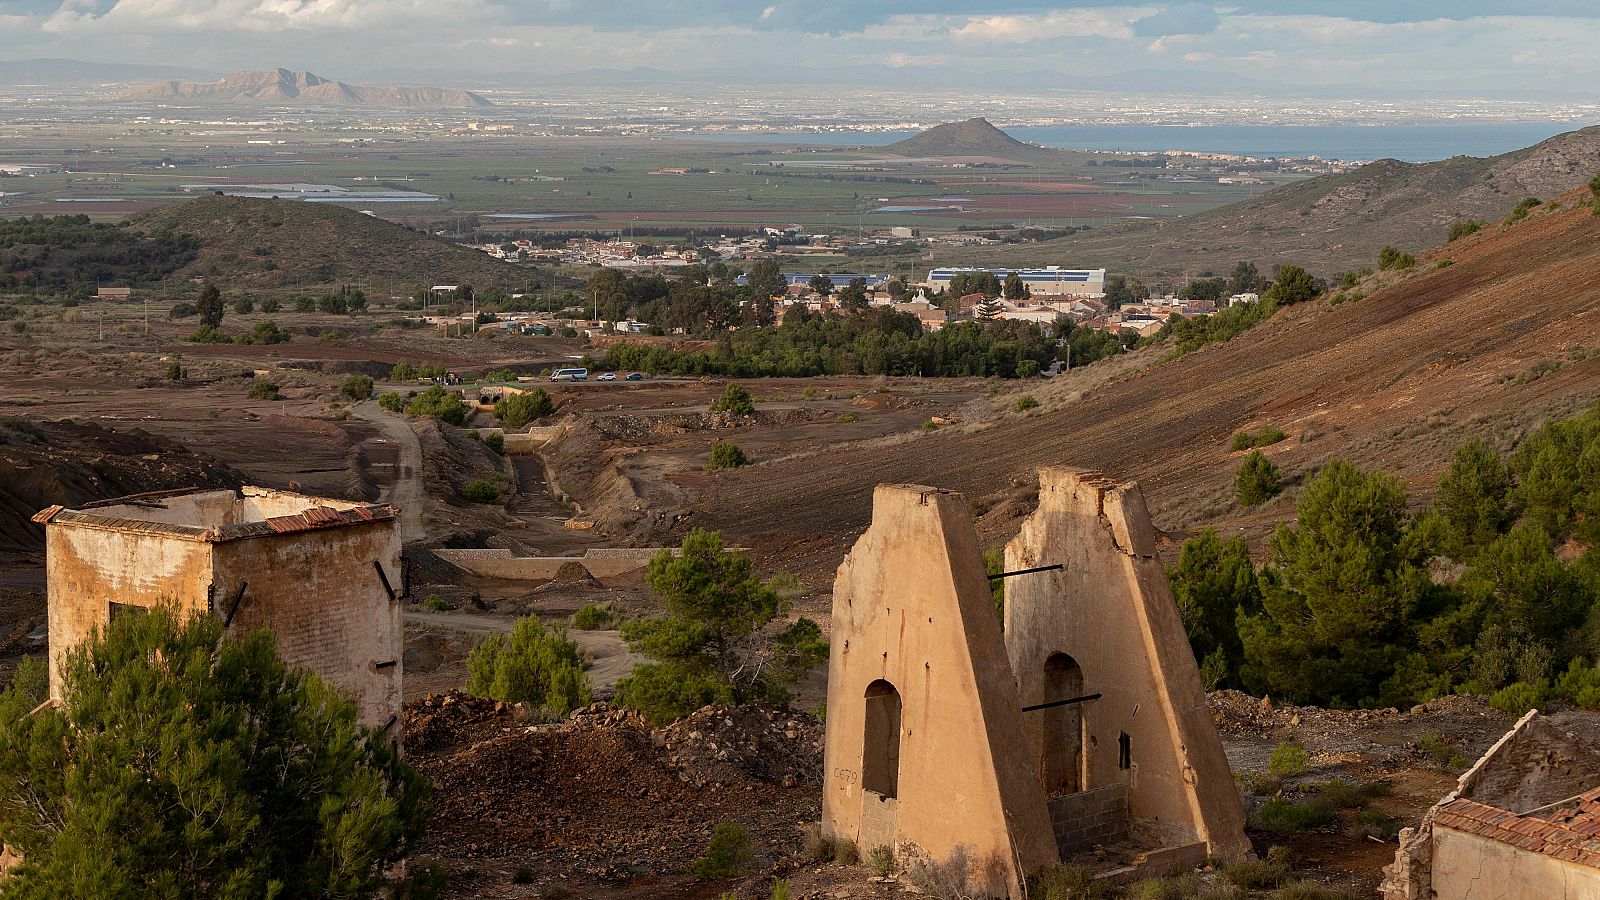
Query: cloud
x=1190, y=18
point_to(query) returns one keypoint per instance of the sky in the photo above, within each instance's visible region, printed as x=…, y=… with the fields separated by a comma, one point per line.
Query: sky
x=1428, y=45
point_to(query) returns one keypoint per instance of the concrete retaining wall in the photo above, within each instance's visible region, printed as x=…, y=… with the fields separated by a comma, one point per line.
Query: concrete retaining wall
x=531, y=440
x=600, y=563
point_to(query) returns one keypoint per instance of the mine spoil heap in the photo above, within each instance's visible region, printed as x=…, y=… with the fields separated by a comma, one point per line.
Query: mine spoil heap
x=603, y=794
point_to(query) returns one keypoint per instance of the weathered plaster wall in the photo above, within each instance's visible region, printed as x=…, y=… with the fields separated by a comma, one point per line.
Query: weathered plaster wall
x=88, y=569
x=1111, y=611
x=319, y=593
x=912, y=608
x=204, y=507
x=1472, y=866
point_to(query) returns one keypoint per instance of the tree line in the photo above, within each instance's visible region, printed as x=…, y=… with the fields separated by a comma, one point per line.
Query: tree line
x=1358, y=602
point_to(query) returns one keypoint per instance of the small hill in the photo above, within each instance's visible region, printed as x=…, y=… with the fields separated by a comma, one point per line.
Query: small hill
x=282, y=87
x=1334, y=222
x=1488, y=347
x=271, y=243
x=972, y=138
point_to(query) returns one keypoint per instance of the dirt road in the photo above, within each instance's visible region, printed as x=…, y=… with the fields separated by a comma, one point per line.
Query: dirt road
x=406, y=490
x=609, y=658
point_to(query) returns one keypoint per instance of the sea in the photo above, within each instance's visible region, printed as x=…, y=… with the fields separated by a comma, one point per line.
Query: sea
x=1412, y=143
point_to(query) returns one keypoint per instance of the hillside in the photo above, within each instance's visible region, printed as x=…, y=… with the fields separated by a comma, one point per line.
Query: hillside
x=281, y=87
x=271, y=243
x=1334, y=222
x=972, y=139
x=71, y=256
x=1489, y=346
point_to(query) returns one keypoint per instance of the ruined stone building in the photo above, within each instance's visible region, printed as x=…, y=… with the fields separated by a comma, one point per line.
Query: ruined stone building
x=324, y=575
x=1082, y=722
x=1522, y=824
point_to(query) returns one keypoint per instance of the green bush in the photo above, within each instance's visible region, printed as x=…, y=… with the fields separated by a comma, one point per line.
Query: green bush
x=1519, y=697
x=846, y=417
x=495, y=441
x=269, y=305
x=725, y=455
x=1464, y=228
x=592, y=617
x=263, y=389
x=403, y=371
x=727, y=855
x=1242, y=440
x=190, y=762
x=482, y=491
x=436, y=603
x=1350, y=795
x=1282, y=816
x=1257, y=480
x=1266, y=437
x=1579, y=684
x=880, y=861
x=1066, y=882
x=1522, y=209
x=182, y=310
x=391, y=401
x=438, y=403
x=533, y=665
x=1394, y=258
x=1259, y=874
x=1025, y=403
x=517, y=410
x=735, y=400
x=1288, y=760
x=356, y=387
x=667, y=691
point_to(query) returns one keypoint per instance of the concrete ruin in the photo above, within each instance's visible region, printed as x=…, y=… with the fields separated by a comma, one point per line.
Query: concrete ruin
x=1522, y=824
x=1103, y=622
x=323, y=575
x=1082, y=723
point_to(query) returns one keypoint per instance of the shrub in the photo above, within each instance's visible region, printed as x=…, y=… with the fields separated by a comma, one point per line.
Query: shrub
x=1288, y=760
x=725, y=455
x=1439, y=748
x=1257, y=480
x=263, y=389
x=244, y=306
x=1464, y=228
x=846, y=417
x=1519, y=697
x=846, y=853
x=1282, y=816
x=667, y=691
x=482, y=491
x=1242, y=440
x=880, y=861
x=175, y=370
x=495, y=441
x=182, y=311
x=1394, y=258
x=1178, y=887
x=205, y=334
x=780, y=889
x=1349, y=795
x=438, y=403
x=1065, y=882
x=930, y=425
x=391, y=401
x=1291, y=285
x=356, y=387
x=1522, y=209
x=532, y=665
x=735, y=400
x=1305, y=890
x=727, y=855
x=1025, y=403
x=295, y=798
x=1259, y=874
x=517, y=410
x=1444, y=263
x=269, y=305
x=436, y=603
x=403, y=371
x=592, y=617
x=1266, y=437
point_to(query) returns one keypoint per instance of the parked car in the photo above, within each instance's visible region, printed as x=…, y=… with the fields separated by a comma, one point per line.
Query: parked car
x=634, y=376
x=607, y=376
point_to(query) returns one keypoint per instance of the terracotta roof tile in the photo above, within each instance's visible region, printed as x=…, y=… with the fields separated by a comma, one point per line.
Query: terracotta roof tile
x=1573, y=836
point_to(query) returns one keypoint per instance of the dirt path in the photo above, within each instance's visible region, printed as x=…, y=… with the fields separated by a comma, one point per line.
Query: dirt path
x=609, y=658
x=406, y=490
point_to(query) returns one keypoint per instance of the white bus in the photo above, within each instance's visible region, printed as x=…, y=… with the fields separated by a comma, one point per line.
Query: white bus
x=570, y=375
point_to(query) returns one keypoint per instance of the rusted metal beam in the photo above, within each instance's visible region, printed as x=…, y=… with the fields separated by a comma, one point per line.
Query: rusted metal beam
x=1027, y=571
x=1067, y=702
x=384, y=577
x=238, y=598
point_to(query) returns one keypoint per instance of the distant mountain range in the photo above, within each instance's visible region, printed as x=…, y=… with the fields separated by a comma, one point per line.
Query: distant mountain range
x=282, y=87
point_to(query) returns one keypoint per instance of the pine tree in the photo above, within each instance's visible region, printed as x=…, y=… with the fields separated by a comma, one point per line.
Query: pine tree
x=189, y=763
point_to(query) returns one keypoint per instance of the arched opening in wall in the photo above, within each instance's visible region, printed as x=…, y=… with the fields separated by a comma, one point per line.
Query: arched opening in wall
x=1061, y=750
x=880, y=759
